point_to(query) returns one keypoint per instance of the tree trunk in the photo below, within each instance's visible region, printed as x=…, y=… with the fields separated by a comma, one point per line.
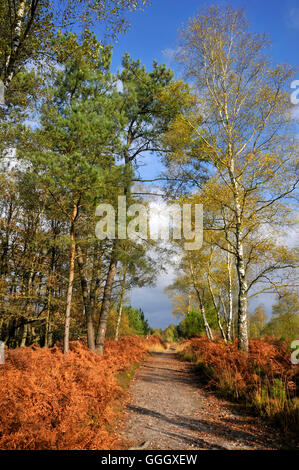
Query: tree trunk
x=50, y=288
x=216, y=309
x=242, y=302
x=95, y=284
x=48, y=325
x=242, y=294
x=86, y=300
x=118, y=320
x=5, y=244
x=240, y=265
x=230, y=299
x=123, y=289
x=205, y=321
x=201, y=304
x=24, y=335
x=70, y=282
x=16, y=40
x=105, y=307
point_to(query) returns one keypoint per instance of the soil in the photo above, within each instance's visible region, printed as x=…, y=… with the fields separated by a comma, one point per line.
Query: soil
x=170, y=408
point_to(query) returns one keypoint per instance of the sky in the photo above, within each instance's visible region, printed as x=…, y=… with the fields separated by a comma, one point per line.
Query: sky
x=153, y=35
x=153, y=32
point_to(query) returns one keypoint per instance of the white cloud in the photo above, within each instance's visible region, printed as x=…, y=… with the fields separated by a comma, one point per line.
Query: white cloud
x=267, y=300
x=169, y=53
x=154, y=302
x=293, y=18
x=169, y=56
x=295, y=112
x=292, y=237
x=119, y=86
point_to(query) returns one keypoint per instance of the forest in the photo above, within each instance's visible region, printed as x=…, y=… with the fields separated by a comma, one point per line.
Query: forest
x=74, y=134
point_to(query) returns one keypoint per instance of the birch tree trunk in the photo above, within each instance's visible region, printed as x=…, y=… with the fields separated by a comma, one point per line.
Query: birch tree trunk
x=230, y=299
x=242, y=300
x=16, y=40
x=240, y=265
x=205, y=321
x=216, y=309
x=118, y=320
x=201, y=304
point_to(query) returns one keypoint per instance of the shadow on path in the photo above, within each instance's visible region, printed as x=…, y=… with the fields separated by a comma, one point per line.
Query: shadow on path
x=169, y=407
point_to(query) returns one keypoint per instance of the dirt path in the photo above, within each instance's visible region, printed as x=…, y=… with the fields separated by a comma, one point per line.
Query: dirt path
x=170, y=409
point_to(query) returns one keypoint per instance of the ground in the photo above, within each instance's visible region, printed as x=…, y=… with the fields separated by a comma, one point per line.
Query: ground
x=170, y=408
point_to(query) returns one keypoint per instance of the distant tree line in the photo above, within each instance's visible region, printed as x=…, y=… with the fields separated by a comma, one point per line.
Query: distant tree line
x=283, y=323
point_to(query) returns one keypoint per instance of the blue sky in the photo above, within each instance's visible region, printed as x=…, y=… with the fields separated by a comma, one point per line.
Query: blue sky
x=155, y=29
x=153, y=35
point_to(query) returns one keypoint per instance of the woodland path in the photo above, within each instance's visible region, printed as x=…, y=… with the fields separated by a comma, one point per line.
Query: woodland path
x=170, y=409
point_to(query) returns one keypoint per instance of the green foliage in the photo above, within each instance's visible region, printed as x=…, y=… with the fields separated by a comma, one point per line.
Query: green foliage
x=285, y=317
x=138, y=323
x=124, y=327
x=284, y=325
x=257, y=322
x=132, y=322
x=33, y=39
x=288, y=303
x=72, y=152
x=29, y=28
x=109, y=13
x=278, y=390
x=193, y=323
x=151, y=102
x=171, y=333
x=125, y=377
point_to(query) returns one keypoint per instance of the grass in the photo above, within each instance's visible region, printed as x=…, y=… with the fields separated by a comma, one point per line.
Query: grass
x=125, y=377
x=159, y=347
x=265, y=381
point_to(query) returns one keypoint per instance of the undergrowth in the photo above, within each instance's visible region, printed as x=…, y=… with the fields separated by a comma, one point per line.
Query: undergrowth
x=52, y=401
x=265, y=379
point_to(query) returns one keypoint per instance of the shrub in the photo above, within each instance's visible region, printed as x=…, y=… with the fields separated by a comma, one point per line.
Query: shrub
x=264, y=378
x=52, y=401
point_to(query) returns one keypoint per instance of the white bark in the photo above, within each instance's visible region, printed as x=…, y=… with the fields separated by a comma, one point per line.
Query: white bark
x=20, y=17
x=216, y=309
x=230, y=299
x=201, y=304
x=118, y=320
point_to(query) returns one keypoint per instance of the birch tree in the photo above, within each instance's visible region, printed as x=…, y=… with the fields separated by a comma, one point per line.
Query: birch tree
x=246, y=133
x=28, y=27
